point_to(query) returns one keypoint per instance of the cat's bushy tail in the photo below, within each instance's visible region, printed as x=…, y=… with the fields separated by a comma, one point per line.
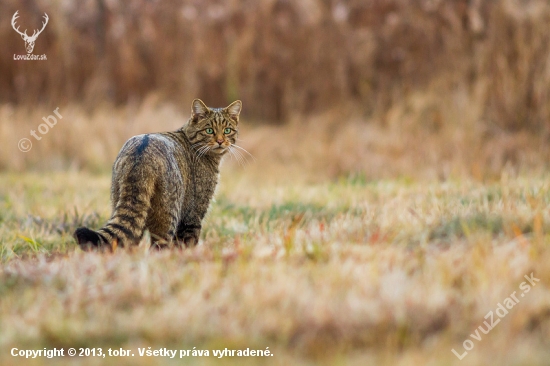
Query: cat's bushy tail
x=127, y=223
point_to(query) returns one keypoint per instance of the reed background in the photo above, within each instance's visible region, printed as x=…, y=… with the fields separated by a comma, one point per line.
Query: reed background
x=394, y=141
x=461, y=85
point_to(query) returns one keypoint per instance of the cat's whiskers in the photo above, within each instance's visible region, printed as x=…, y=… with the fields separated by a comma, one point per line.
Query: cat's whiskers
x=205, y=150
x=200, y=151
x=197, y=146
x=243, y=149
x=237, y=155
x=232, y=153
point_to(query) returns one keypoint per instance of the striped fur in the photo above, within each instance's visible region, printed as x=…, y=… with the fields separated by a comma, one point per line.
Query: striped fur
x=163, y=182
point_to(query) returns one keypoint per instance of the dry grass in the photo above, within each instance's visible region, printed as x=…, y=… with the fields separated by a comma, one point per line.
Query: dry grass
x=282, y=57
x=349, y=272
x=326, y=146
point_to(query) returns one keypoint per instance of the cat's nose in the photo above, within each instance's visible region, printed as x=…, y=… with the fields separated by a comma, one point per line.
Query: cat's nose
x=220, y=141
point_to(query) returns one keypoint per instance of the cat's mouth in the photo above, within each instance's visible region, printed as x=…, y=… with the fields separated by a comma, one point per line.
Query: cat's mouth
x=220, y=149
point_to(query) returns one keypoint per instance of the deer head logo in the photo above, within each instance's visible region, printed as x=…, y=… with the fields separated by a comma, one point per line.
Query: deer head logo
x=29, y=41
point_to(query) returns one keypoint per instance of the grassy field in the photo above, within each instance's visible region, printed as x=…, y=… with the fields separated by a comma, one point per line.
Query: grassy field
x=396, y=204
x=345, y=272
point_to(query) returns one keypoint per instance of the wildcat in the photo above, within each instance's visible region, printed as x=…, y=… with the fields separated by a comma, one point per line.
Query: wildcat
x=163, y=182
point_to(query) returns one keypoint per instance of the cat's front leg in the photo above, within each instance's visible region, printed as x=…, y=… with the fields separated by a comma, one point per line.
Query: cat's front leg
x=188, y=235
x=191, y=239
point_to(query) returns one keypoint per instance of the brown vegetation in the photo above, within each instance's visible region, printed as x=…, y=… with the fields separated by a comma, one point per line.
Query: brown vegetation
x=317, y=148
x=386, y=88
x=282, y=57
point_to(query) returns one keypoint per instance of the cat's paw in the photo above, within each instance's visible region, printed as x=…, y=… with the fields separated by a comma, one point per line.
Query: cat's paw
x=191, y=238
x=188, y=235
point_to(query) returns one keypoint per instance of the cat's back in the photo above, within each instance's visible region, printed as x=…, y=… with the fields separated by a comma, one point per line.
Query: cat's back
x=153, y=150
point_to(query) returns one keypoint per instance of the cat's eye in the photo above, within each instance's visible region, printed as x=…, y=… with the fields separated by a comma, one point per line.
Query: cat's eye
x=227, y=131
x=209, y=131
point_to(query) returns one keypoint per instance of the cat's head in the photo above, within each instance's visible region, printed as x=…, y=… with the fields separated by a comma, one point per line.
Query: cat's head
x=213, y=130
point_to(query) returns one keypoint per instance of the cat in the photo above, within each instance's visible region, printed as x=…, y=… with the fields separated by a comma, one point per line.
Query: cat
x=163, y=182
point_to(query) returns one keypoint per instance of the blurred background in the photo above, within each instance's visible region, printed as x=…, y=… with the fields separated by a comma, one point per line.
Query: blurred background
x=372, y=89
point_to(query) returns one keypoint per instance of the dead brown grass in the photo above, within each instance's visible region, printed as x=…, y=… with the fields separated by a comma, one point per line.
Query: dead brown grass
x=419, y=89
x=283, y=57
x=327, y=146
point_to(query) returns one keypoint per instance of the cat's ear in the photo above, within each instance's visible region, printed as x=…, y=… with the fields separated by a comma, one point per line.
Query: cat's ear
x=234, y=109
x=199, y=109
